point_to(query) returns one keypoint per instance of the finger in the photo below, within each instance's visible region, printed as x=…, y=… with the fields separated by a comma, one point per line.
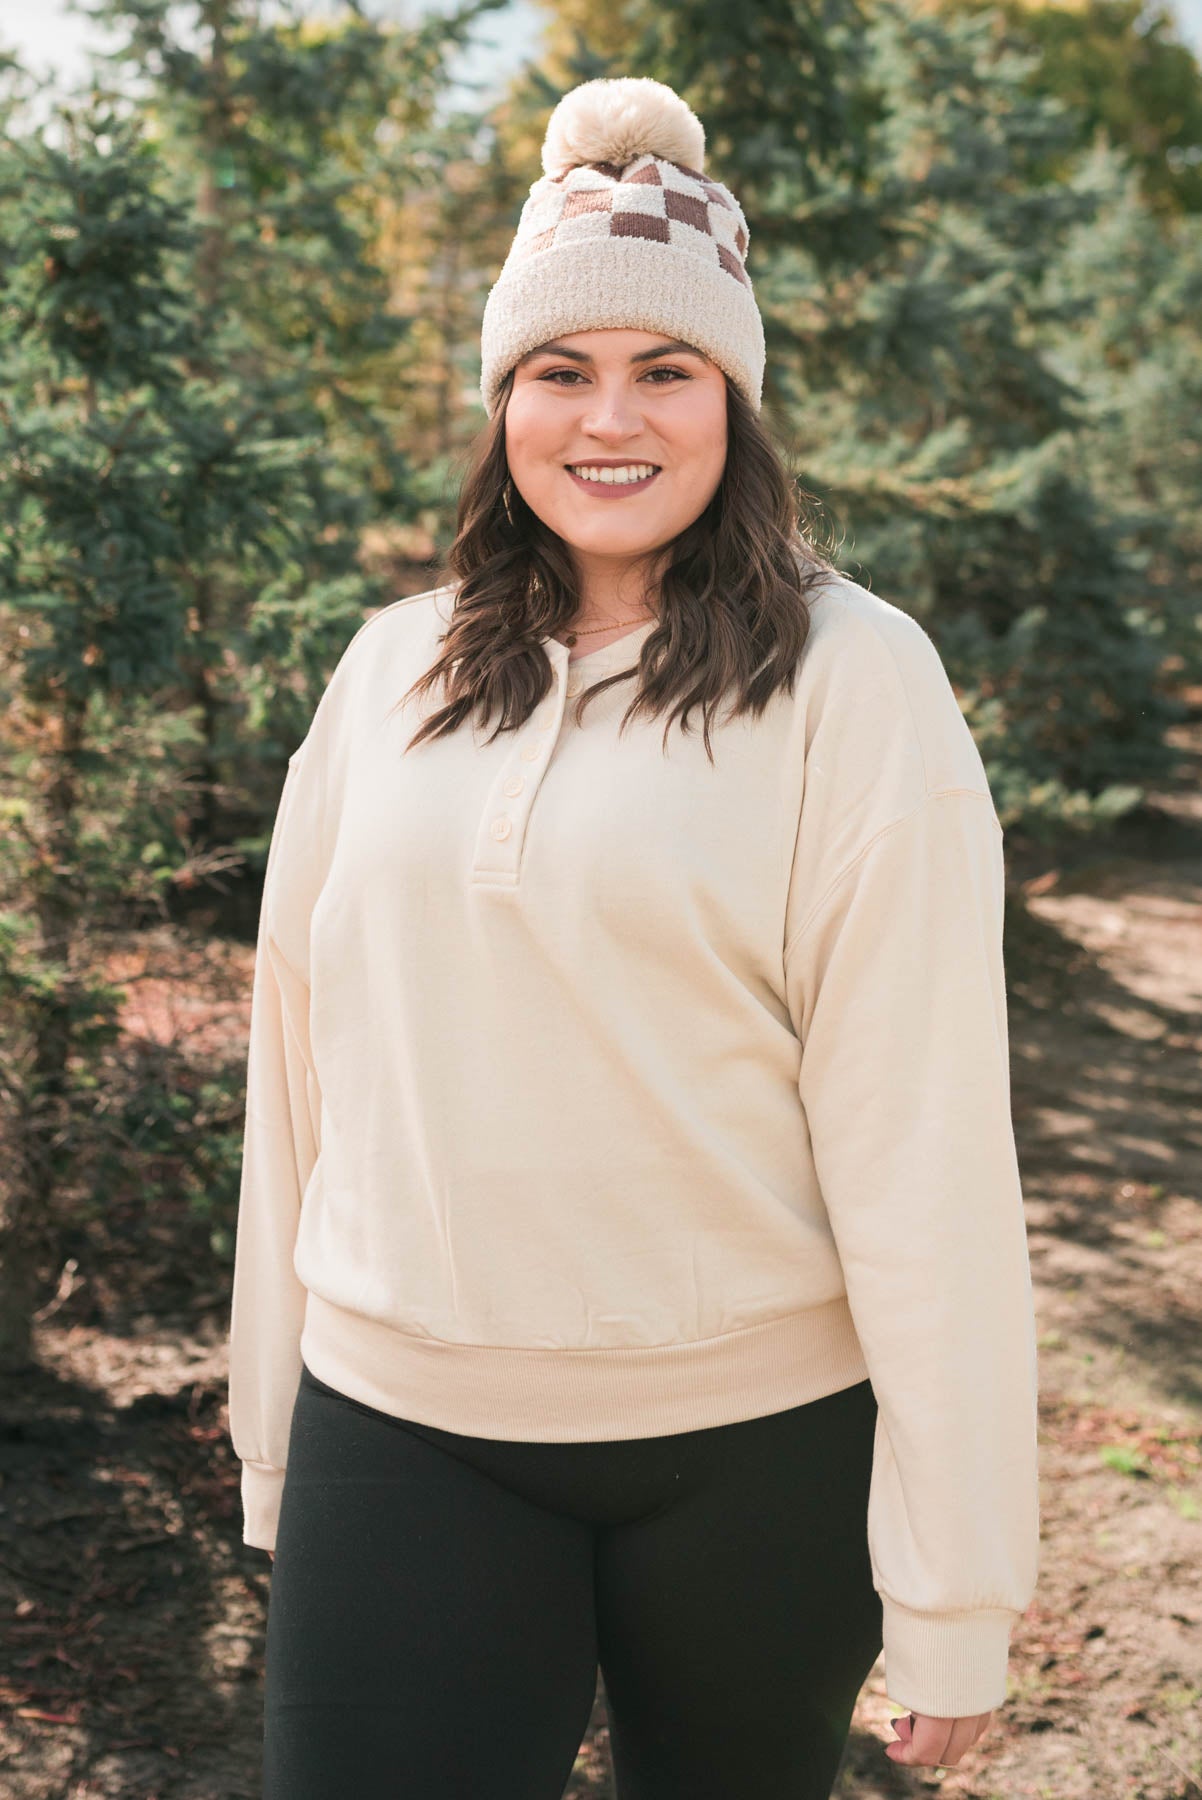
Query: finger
x=930, y=1740
x=923, y=1738
x=901, y=1751
x=962, y=1735
x=943, y=1741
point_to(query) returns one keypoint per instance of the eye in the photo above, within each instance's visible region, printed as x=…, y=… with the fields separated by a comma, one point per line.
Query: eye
x=659, y=369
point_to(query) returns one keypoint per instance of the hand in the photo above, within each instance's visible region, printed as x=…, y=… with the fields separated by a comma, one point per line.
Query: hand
x=937, y=1743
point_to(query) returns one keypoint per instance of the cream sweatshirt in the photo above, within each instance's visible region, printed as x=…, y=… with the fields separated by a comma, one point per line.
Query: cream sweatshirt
x=595, y=1091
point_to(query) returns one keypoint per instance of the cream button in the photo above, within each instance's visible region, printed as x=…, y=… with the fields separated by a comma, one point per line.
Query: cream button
x=574, y=688
x=515, y=784
x=502, y=825
x=530, y=751
x=545, y=720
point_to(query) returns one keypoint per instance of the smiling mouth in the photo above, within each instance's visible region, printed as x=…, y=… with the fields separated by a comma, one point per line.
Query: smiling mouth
x=613, y=487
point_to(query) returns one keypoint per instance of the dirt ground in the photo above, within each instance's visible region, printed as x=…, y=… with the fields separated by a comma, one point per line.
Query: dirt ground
x=134, y=1615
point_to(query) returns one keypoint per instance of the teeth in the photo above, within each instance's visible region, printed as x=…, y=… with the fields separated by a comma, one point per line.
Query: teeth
x=631, y=472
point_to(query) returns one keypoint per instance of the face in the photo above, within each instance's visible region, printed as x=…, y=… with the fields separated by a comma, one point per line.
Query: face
x=618, y=398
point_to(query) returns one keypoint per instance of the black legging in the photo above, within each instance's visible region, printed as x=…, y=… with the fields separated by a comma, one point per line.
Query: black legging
x=440, y=1604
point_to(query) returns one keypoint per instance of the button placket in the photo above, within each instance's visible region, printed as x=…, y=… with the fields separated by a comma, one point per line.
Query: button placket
x=502, y=826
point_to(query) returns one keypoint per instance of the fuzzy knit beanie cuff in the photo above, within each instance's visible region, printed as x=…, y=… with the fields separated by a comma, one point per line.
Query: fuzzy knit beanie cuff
x=624, y=230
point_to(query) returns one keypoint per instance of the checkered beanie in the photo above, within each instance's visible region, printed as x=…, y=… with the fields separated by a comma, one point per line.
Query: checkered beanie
x=623, y=230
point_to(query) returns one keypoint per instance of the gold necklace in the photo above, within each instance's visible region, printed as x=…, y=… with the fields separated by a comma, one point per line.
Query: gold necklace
x=592, y=630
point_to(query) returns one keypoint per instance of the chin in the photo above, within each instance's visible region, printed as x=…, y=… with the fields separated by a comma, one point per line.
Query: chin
x=610, y=544
x=599, y=534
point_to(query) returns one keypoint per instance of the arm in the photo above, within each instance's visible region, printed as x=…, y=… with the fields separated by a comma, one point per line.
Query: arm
x=280, y=1151
x=896, y=988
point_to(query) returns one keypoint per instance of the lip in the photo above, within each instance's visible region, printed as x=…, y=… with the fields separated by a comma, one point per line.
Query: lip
x=611, y=490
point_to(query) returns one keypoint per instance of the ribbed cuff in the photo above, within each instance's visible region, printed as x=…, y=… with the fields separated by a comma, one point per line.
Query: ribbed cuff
x=262, y=1490
x=949, y=1665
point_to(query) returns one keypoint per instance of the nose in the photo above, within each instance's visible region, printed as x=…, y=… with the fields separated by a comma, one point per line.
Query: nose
x=614, y=413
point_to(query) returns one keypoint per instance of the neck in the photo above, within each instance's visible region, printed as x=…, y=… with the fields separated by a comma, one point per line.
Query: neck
x=613, y=596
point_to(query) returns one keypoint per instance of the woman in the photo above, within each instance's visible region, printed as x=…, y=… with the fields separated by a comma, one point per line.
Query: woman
x=631, y=1267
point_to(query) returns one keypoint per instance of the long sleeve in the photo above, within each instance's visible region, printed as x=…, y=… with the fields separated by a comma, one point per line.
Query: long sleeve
x=896, y=986
x=280, y=1150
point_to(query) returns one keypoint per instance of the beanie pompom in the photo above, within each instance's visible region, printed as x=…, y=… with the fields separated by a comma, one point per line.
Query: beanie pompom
x=615, y=120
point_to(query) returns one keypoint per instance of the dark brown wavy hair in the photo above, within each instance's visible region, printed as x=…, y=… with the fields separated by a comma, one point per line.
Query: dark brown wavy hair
x=732, y=600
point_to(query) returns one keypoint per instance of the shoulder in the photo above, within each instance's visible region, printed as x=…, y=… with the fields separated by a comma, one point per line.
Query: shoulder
x=385, y=638
x=874, y=683
x=408, y=619
x=860, y=642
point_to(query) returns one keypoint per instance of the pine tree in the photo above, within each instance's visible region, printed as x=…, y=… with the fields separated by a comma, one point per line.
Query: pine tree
x=93, y=535
x=1136, y=356
x=287, y=135
x=1123, y=70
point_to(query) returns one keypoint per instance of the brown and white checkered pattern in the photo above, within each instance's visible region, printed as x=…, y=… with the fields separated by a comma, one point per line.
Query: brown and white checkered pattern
x=650, y=198
x=655, y=245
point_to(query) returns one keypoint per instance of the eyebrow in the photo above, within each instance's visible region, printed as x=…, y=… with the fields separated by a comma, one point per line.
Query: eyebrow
x=675, y=347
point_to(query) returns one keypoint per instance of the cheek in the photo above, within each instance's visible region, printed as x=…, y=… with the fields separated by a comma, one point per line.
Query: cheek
x=700, y=439
x=707, y=418
x=696, y=427
x=529, y=423
x=530, y=449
